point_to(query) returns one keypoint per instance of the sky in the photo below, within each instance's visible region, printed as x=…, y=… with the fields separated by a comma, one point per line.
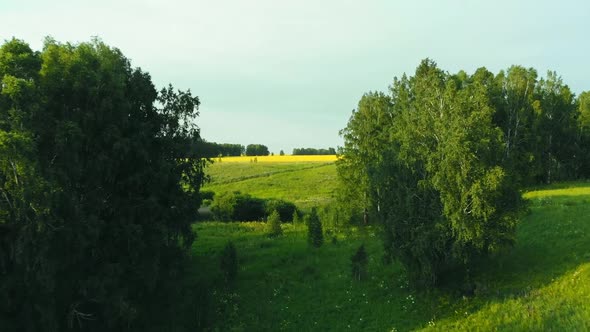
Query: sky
x=288, y=73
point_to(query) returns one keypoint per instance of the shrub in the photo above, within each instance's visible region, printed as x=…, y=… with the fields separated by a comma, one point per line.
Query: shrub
x=284, y=208
x=315, y=235
x=236, y=206
x=229, y=262
x=296, y=219
x=359, y=264
x=274, y=225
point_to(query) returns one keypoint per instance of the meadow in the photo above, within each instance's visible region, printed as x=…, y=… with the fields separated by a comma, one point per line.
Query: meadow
x=542, y=283
x=306, y=181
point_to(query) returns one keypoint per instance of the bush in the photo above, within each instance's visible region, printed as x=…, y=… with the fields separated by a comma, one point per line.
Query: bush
x=315, y=235
x=359, y=264
x=236, y=206
x=296, y=219
x=274, y=225
x=284, y=208
x=207, y=194
x=229, y=262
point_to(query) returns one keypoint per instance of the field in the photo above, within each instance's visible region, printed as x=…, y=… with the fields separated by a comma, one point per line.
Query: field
x=543, y=283
x=304, y=180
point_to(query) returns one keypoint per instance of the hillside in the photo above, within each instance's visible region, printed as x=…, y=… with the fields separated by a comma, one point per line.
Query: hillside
x=304, y=180
x=543, y=283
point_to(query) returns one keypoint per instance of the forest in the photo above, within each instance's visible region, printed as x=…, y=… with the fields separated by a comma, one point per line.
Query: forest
x=101, y=198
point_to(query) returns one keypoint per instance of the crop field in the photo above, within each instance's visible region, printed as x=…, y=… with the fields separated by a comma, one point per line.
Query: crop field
x=304, y=180
x=543, y=283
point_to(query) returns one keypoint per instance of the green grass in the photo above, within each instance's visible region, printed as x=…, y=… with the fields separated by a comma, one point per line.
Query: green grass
x=306, y=184
x=543, y=283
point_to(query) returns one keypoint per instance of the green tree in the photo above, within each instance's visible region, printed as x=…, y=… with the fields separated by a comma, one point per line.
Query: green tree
x=358, y=263
x=315, y=233
x=274, y=228
x=433, y=171
x=99, y=185
x=228, y=262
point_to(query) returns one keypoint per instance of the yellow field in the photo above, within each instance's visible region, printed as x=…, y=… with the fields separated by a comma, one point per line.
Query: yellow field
x=277, y=159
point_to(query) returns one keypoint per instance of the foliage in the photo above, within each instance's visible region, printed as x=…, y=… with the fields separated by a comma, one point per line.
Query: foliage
x=228, y=262
x=282, y=153
x=359, y=264
x=257, y=150
x=274, y=224
x=313, y=151
x=285, y=209
x=212, y=149
x=236, y=206
x=315, y=233
x=99, y=186
x=427, y=162
x=539, y=284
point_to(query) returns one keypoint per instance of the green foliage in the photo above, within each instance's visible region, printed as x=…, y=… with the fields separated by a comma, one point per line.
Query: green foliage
x=282, y=153
x=285, y=209
x=274, y=225
x=99, y=186
x=427, y=162
x=236, y=206
x=315, y=233
x=358, y=263
x=257, y=150
x=313, y=151
x=296, y=218
x=539, y=284
x=228, y=262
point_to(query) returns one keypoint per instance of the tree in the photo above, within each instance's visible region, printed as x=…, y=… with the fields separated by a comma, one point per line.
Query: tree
x=274, y=225
x=229, y=262
x=257, y=150
x=428, y=160
x=99, y=185
x=282, y=153
x=583, y=134
x=315, y=234
x=358, y=263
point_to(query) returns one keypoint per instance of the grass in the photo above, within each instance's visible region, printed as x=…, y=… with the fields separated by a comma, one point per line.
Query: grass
x=304, y=180
x=543, y=283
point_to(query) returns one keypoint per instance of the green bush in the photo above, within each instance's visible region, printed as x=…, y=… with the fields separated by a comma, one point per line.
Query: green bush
x=274, y=225
x=315, y=235
x=229, y=262
x=359, y=264
x=284, y=208
x=236, y=206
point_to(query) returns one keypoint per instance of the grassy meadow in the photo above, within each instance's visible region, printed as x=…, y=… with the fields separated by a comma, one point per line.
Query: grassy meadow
x=304, y=180
x=543, y=283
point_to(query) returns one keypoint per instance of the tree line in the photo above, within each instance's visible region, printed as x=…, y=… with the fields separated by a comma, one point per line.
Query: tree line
x=440, y=159
x=312, y=151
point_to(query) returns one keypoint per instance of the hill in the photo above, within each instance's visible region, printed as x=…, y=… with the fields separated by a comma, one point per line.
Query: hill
x=543, y=283
x=304, y=180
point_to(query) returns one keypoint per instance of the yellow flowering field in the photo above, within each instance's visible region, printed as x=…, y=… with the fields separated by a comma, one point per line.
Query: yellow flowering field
x=278, y=159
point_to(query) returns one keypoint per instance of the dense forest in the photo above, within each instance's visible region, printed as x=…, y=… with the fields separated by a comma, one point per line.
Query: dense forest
x=441, y=158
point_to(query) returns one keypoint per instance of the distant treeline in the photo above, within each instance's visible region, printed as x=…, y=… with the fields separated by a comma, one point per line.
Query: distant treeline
x=312, y=151
x=212, y=149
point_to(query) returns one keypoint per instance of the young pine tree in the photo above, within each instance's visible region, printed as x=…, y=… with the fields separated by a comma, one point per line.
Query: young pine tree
x=274, y=224
x=359, y=264
x=315, y=235
x=229, y=262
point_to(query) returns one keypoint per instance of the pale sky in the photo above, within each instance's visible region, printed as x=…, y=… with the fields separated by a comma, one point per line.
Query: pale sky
x=288, y=73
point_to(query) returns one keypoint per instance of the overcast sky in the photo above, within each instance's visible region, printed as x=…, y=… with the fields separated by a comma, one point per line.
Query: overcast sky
x=288, y=73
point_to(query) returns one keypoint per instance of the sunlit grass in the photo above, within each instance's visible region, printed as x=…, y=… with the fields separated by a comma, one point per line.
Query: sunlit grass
x=542, y=284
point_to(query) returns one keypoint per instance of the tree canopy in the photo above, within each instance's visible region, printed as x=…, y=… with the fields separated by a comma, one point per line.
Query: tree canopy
x=440, y=159
x=99, y=184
